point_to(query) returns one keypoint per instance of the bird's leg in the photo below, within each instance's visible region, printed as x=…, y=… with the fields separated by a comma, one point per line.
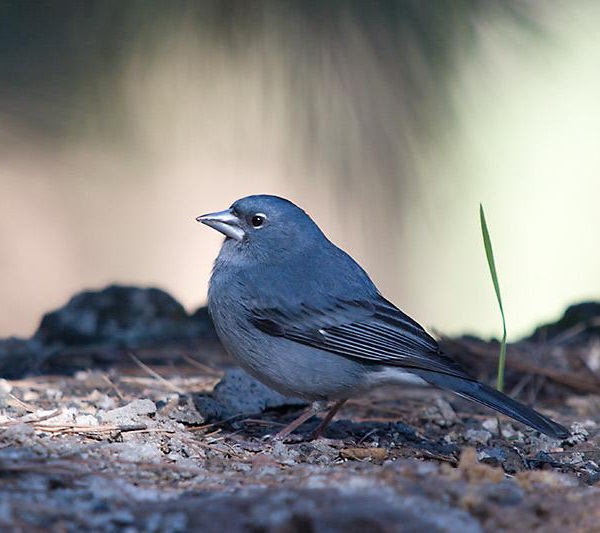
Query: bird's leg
x=328, y=418
x=314, y=409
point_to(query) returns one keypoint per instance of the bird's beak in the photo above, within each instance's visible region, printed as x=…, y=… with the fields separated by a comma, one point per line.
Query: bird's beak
x=225, y=222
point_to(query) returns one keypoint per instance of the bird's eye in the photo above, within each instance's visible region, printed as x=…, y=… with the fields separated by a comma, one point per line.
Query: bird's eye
x=258, y=220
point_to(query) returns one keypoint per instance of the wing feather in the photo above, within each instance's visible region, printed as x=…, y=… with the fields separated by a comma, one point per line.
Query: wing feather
x=368, y=330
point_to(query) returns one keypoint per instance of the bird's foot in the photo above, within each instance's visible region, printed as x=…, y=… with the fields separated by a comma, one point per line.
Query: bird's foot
x=316, y=407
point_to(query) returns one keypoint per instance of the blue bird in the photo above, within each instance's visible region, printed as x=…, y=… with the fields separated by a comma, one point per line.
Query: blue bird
x=304, y=318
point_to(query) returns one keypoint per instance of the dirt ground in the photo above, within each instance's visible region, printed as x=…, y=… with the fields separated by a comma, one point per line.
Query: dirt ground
x=126, y=449
x=146, y=443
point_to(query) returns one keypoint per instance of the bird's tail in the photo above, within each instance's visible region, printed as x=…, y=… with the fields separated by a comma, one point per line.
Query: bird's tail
x=480, y=393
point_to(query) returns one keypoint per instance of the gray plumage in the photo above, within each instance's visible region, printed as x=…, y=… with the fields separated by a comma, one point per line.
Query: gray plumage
x=305, y=319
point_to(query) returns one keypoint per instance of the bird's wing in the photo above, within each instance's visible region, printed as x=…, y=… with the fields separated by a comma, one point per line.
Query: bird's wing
x=371, y=330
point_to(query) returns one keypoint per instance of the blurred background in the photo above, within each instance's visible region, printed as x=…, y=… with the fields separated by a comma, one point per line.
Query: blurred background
x=389, y=122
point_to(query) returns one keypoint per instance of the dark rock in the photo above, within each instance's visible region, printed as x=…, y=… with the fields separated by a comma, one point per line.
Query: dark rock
x=590, y=473
x=202, y=317
x=238, y=393
x=19, y=356
x=585, y=315
x=542, y=459
x=210, y=409
x=246, y=395
x=98, y=328
x=507, y=457
x=492, y=455
x=118, y=315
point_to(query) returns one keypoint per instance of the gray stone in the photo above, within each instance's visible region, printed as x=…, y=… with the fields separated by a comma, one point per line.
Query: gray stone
x=130, y=413
x=238, y=393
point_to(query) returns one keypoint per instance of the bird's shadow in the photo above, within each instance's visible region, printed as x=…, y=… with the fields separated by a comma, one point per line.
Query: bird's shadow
x=383, y=434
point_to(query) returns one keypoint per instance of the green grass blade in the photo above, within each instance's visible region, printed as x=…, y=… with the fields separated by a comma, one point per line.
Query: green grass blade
x=489, y=252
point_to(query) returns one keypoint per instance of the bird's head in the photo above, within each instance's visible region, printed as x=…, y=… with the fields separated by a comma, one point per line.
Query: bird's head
x=264, y=225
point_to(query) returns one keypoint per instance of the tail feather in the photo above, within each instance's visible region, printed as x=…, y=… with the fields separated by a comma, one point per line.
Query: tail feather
x=480, y=393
